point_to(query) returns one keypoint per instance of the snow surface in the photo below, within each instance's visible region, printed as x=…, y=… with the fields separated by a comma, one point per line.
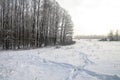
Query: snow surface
x=85, y=60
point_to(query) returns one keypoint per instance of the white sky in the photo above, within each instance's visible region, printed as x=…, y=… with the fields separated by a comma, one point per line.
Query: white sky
x=93, y=16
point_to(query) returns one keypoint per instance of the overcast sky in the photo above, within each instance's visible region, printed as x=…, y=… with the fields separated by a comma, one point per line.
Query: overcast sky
x=93, y=16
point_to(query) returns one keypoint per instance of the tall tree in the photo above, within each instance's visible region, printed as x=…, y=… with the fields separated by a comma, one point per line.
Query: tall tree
x=32, y=23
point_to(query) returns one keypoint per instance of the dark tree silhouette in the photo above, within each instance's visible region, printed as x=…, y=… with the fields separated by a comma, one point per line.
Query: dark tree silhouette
x=33, y=23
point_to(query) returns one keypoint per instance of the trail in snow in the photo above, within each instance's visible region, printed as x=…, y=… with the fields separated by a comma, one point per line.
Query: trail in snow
x=66, y=63
x=8, y=72
x=85, y=59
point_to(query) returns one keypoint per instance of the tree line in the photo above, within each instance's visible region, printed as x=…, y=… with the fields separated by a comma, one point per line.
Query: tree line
x=114, y=36
x=33, y=23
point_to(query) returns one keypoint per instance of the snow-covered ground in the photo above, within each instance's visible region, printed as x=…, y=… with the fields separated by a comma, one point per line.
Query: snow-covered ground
x=85, y=60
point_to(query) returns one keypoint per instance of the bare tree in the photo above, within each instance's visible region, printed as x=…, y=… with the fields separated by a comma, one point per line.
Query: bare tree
x=32, y=23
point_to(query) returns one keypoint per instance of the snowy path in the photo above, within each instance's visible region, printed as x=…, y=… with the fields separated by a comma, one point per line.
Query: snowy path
x=76, y=62
x=21, y=67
